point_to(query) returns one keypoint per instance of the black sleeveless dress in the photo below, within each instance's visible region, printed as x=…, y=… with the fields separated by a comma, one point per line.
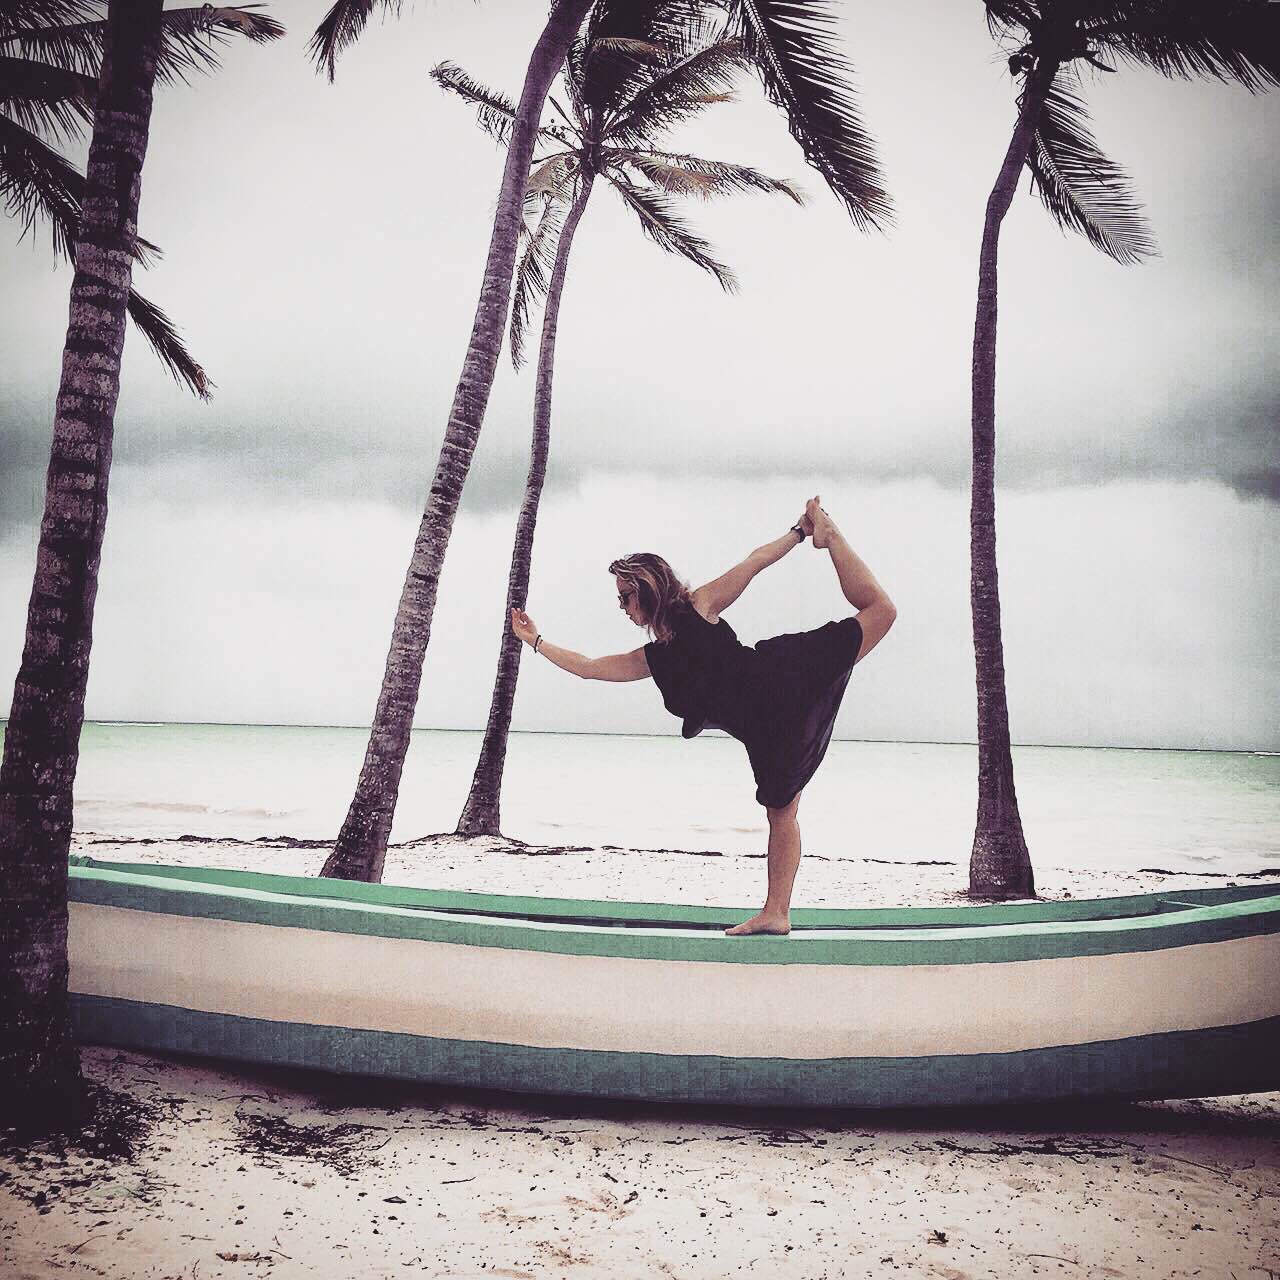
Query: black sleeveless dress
x=779, y=698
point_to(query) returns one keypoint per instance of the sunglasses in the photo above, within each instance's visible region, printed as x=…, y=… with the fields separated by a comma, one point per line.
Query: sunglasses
x=624, y=596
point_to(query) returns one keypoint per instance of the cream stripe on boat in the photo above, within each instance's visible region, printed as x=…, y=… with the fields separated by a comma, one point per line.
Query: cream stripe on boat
x=665, y=1006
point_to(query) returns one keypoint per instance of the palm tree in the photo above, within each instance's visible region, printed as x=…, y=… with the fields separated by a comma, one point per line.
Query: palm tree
x=39, y=1068
x=622, y=97
x=792, y=46
x=50, y=57
x=1088, y=193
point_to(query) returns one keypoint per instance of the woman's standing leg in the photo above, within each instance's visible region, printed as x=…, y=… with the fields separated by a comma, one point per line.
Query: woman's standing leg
x=784, y=861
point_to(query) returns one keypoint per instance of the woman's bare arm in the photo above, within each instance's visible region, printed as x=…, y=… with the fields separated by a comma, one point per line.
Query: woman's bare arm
x=615, y=666
x=712, y=597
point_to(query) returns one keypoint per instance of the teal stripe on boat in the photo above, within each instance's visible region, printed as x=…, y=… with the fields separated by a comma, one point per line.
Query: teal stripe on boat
x=1173, y=1064
x=653, y=914
x=968, y=945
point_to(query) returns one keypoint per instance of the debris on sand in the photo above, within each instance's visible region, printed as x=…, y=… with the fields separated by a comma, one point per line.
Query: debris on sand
x=347, y=1149
x=112, y=1132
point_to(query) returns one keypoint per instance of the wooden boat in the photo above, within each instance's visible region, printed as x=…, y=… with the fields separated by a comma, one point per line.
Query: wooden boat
x=1154, y=996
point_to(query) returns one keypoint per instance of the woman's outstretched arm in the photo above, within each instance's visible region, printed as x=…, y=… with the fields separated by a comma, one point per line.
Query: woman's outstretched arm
x=615, y=666
x=720, y=593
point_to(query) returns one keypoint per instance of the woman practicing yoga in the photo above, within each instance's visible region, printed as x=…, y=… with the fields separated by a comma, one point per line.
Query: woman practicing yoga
x=779, y=698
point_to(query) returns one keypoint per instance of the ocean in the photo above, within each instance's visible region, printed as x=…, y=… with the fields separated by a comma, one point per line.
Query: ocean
x=1188, y=811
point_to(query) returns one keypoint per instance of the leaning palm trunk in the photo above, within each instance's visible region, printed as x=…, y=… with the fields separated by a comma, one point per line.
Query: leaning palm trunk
x=999, y=866
x=361, y=847
x=481, y=813
x=39, y=1068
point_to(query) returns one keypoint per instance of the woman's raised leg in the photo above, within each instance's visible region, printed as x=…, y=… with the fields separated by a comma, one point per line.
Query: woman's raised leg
x=876, y=612
x=784, y=861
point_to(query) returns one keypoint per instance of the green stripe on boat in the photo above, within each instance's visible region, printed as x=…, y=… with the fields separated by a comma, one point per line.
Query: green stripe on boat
x=1172, y=1064
x=574, y=910
x=246, y=898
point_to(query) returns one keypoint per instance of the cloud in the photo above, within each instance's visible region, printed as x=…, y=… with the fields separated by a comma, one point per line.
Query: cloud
x=1227, y=433
x=263, y=466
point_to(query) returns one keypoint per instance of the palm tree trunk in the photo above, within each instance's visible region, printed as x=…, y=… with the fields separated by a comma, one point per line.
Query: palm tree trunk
x=39, y=1067
x=999, y=866
x=481, y=814
x=361, y=847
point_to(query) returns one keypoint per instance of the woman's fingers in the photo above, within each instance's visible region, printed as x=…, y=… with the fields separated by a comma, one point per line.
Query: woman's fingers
x=521, y=623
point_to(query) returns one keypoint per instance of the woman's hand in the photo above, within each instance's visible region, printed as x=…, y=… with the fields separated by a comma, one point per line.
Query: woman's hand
x=806, y=522
x=523, y=626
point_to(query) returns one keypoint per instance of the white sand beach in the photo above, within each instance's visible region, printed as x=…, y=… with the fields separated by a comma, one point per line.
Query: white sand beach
x=243, y=1171
x=485, y=864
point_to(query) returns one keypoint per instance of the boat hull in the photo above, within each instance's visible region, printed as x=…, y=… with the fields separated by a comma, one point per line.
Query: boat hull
x=1177, y=1003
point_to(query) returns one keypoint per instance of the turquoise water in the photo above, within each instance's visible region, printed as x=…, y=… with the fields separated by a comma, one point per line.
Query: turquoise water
x=1081, y=807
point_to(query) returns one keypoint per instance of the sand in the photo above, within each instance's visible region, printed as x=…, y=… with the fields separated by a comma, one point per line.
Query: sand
x=486, y=864
x=205, y=1170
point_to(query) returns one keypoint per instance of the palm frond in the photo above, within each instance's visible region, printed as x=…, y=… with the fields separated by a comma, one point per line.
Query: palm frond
x=1227, y=40
x=495, y=113
x=611, y=67
x=533, y=272
x=190, y=39
x=159, y=330
x=1005, y=17
x=74, y=46
x=1084, y=190
x=628, y=46
x=704, y=177
x=340, y=28
x=63, y=33
x=660, y=222
x=572, y=73
x=667, y=23
x=46, y=99
x=793, y=45
x=18, y=14
x=146, y=253
x=676, y=93
x=551, y=177
x=675, y=180
x=36, y=182
x=236, y=19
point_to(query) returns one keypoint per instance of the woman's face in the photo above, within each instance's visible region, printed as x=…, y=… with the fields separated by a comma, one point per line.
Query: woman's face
x=628, y=602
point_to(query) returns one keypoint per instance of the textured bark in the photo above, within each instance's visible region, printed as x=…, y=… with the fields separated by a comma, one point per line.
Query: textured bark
x=999, y=866
x=361, y=847
x=39, y=1067
x=481, y=815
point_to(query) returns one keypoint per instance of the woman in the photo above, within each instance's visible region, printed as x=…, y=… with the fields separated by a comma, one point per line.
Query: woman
x=779, y=698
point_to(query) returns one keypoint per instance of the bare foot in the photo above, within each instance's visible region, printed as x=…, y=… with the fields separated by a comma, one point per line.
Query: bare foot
x=806, y=524
x=823, y=527
x=761, y=924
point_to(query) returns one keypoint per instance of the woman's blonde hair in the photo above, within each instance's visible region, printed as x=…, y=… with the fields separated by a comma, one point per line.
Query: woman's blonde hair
x=659, y=593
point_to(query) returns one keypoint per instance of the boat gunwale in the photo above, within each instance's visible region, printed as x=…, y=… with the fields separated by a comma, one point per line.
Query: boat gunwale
x=997, y=942
x=659, y=914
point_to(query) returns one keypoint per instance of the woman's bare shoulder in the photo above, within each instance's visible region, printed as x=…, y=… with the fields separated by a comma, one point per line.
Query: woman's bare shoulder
x=702, y=606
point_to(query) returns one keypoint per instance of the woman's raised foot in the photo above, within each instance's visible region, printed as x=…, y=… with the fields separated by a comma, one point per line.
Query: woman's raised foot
x=763, y=923
x=823, y=527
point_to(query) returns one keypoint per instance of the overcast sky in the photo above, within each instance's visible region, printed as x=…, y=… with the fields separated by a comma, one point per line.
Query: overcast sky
x=323, y=247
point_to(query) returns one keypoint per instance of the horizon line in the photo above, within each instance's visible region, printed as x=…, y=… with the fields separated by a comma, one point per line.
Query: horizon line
x=591, y=733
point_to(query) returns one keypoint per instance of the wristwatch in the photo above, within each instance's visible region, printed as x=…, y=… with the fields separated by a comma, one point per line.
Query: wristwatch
x=795, y=528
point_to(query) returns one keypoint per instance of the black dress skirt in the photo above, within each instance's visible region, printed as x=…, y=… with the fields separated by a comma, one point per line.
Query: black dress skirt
x=778, y=698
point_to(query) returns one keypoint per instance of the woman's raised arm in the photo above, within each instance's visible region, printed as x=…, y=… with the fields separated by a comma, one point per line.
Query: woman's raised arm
x=616, y=666
x=713, y=597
